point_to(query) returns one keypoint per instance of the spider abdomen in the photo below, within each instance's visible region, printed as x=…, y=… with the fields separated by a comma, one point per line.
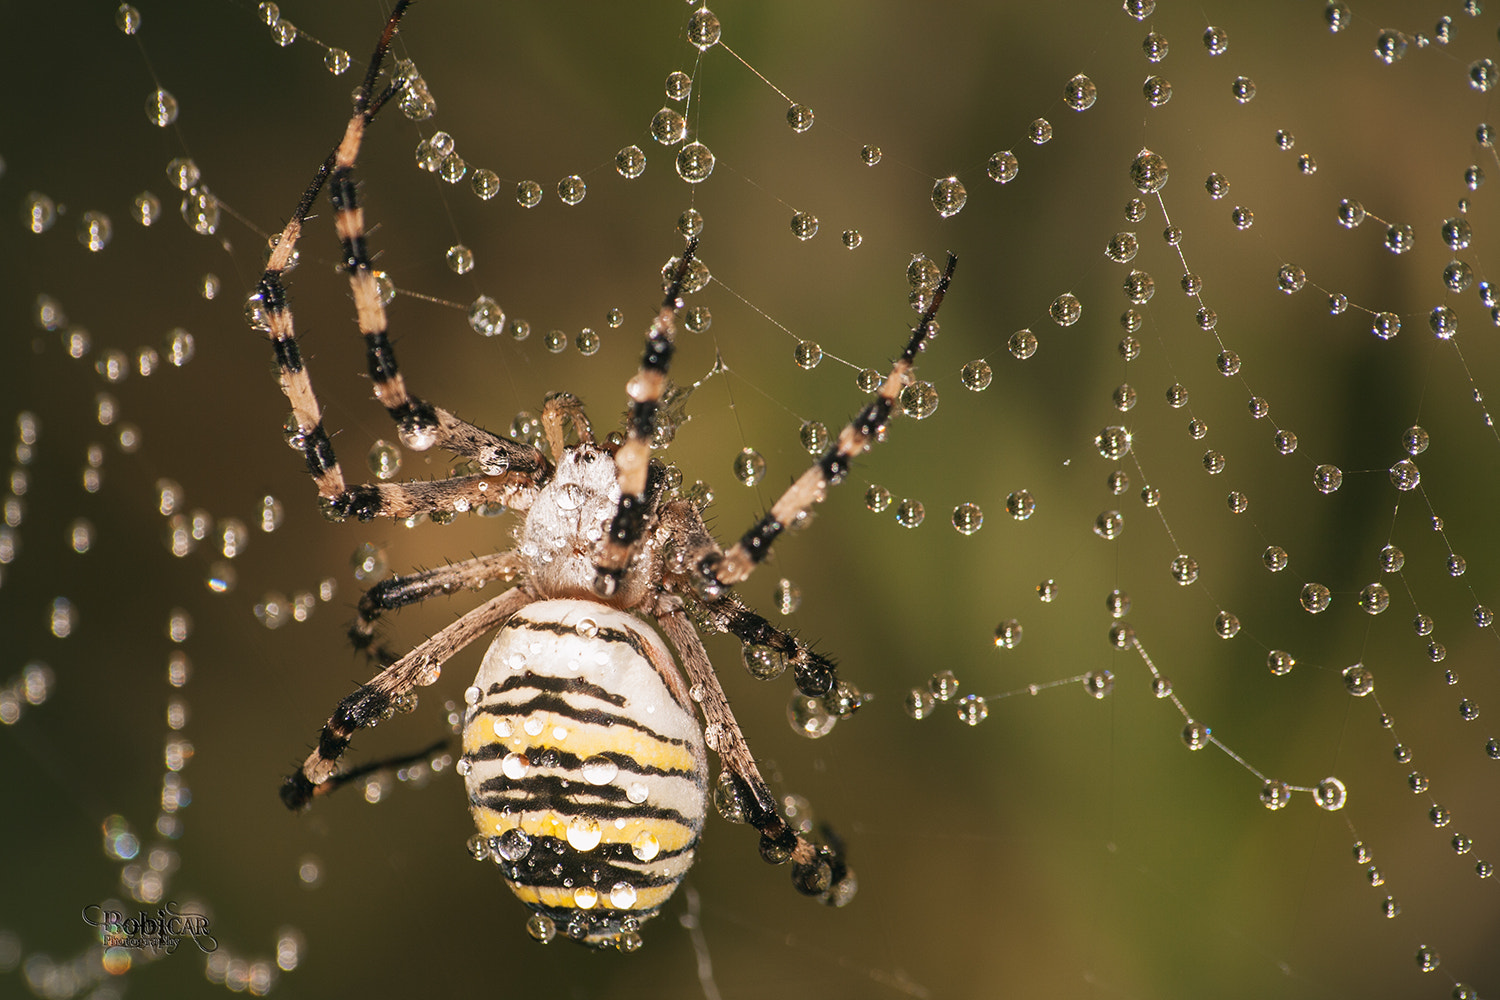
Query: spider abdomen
x=585, y=768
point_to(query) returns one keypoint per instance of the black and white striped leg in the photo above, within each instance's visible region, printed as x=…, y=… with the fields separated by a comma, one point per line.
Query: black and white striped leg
x=422, y=425
x=770, y=651
x=413, y=588
x=856, y=437
x=818, y=869
x=633, y=458
x=391, y=691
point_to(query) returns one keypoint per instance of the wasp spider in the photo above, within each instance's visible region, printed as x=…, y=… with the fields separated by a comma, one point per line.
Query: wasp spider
x=584, y=762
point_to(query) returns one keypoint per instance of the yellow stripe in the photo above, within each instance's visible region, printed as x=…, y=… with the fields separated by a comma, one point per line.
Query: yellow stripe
x=672, y=836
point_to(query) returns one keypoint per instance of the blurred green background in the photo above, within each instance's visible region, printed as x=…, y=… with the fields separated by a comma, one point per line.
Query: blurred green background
x=1064, y=845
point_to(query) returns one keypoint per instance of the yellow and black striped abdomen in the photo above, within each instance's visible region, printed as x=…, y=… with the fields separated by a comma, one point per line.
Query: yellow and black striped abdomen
x=585, y=769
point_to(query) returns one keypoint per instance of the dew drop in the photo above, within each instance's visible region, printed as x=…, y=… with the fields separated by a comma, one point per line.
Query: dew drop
x=949, y=196
x=967, y=518
x=1328, y=478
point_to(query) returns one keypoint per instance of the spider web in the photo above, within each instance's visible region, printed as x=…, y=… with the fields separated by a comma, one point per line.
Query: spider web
x=1063, y=839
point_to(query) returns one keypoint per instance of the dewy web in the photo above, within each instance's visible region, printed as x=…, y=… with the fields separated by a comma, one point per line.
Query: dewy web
x=1200, y=459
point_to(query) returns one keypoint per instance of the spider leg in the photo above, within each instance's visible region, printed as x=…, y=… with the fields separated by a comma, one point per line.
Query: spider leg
x=399, y=591
x=421, y=425
x=564, y=408
x=338, y=781
x=391, y=691
x=818, y=870
x=768, y=650
x=633, y=459
x=812, y=486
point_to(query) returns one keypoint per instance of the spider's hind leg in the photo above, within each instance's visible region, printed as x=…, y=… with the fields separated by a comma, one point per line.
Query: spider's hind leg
x=818, y=869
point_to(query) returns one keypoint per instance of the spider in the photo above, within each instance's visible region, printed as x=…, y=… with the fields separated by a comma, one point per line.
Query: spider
x=585, y=766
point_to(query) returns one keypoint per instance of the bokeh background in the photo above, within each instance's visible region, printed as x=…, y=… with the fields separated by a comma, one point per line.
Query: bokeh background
x=1065, y=844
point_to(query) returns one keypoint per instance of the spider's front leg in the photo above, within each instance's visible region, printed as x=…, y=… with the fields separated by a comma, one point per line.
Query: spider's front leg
x=391, y=691
x=728, y=568
x=818, y=870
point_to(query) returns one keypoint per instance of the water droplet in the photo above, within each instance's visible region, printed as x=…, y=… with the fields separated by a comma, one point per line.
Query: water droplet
x=1113, y=442
x=1386, y=325
x=1399, y=238
x=1185, y=570
x=460, y=259
x=1148, y=172
x=541, y=927
x=919, y=703
x=1099, y=683
x=645, y=847
x=1139, y=287
x=127, y=19
x=1022, y=344
x=1328, y=478
x=1157, y=90
x=1216, y=41
x=486, y=316
x=1039, y=131
x=1065, y=309
x=1483, y=74
x=1242, y=218
x=695, y=162
x=703, y=29
x=967, y=518
x=919, y=400
x=1109, y=525
x=1374, y=599
x=809, y=717
x=852, y=239
x=943, y=685
x=571, y=189
x=1226, y=625
x=1405, y=475
x=1315, y=598
x=949, y=196
x=336, y=61
x=1020, y=505
x=1122, y=247
x=1003, y=167
x=877, y=499
x=1155, y=46
x=95, y=231
x=599, y=770
x=1243, y=89
x=909, y=513
x=870, y=155
x=161, y=108
x=749, y=466
x=804, y=225
x=1008, y=633
x=972, y=709
x=976, y=376
x=799, y=117
x=528, y=194
x=1275, y=795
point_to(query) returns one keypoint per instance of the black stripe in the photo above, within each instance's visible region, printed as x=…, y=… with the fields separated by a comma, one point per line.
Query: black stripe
x=381, y=356
x=362, y=502
x=544, y=682
x=757, y=541
x=611, y=635
x=555, y=794
x=288, y=357
x=319, y=451
x=643, y=419
x=272, y=294
x=589, y=716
